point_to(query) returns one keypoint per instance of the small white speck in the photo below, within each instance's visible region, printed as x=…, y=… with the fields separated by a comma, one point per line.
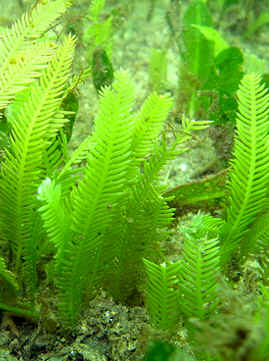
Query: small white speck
x=183, y=167
x=42, y=186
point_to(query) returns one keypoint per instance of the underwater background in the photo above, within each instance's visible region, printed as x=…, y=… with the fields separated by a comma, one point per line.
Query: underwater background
x=149, y=40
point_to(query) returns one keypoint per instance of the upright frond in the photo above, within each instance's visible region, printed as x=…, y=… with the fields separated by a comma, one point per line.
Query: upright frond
x=162, y=299
x=139, y=224
x=199, y=272
x=249, y=176
x=99, y=190
x=108, y=161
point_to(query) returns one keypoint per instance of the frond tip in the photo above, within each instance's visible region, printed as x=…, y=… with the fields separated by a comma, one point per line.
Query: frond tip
x=162, y=294
x=199, y=272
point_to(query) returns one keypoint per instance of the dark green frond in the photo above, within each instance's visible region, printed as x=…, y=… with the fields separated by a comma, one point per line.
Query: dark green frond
x=7, y=275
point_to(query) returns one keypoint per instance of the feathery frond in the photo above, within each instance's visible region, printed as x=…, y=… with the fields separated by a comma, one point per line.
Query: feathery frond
x=249, y=175
x=101, y=186
x=34, y=119
x=7, y=275
x=199, y=272
x=53, y=213
x=21, y=58
x=162, y=294
x=107, y=164
x=149, y=123
x=23, y=70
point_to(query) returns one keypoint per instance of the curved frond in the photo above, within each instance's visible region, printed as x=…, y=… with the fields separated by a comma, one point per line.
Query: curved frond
x=23, y=70
x=53, y=213
x=21, y=59
x=34, y=119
